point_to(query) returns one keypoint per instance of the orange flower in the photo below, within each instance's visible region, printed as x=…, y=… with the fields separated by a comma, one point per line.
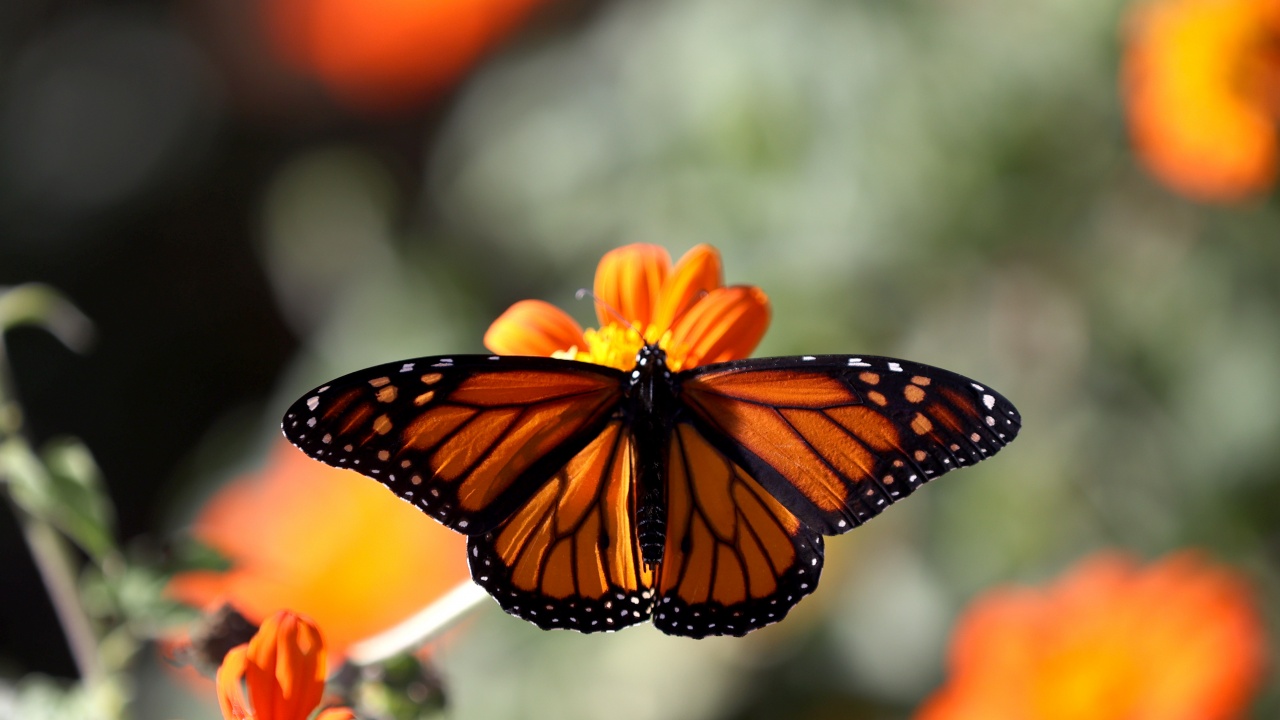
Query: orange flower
x=685, y=309
x=383, y=55
x=325, y=542
x=1202, y=84
x=1178, y=640
x=284, y=669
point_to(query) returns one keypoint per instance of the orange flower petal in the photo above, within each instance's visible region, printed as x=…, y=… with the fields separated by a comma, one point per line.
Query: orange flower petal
x=629, y=280
x=533, y=327
x=384, y=56
x=336, y=713
x=356, y=573
x=725, y=325
x=685, y=309
x=1180, y=639
x=286, y=668
x=1199, y=81
x=230, y=693
x=697, y=274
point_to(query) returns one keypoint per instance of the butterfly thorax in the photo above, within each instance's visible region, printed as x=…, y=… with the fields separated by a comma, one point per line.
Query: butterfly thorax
x=650, y=402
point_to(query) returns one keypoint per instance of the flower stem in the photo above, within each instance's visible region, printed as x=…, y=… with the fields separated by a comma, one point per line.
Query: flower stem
x=52, y=557
x=52, y=554
x=426, y=624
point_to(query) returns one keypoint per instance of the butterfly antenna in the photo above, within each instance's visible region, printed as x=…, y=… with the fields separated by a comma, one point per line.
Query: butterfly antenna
x=584, y=292
x=696, y=299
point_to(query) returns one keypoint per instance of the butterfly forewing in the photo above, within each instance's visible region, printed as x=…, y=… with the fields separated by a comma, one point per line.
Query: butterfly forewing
x=735, y=558
x=569, y=557
x=837, y=439
x=468, y=439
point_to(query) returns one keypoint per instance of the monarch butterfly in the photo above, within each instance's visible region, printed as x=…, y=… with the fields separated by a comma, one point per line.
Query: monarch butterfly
x=595, y=498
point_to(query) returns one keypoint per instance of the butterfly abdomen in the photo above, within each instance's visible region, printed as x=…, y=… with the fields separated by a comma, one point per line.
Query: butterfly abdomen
x=651, y=524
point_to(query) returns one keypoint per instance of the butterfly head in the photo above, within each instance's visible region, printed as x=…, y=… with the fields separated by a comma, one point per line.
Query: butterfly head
x=648, y=376
x=651, y=361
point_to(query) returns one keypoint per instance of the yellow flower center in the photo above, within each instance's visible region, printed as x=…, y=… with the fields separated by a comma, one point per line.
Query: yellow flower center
x=616, y=346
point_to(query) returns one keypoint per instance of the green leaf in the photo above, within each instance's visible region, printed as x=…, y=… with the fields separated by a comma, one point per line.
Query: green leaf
x=29, y=482
x=400, y=688
x=139, y=592
x=84, y=510
x=37, y=304
x=188, y=554
x=65, y=490
x=127, y=593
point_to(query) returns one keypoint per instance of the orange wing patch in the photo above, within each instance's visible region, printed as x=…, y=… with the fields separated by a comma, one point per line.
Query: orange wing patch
x=776, y=387
x=838, y=439
x=535, y=432
x=469, y=440
x=768, y=434
x=570, y=558
x=735, y=558
x=524, y=387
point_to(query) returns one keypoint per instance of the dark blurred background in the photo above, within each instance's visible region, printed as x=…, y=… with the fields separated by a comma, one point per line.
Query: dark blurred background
x=137, y=142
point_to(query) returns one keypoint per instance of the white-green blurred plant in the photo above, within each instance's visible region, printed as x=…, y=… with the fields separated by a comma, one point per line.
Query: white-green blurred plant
x=111, y=602
x=106, y=603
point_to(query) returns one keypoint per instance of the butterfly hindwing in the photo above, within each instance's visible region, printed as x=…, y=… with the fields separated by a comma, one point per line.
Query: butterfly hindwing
x=837, y=439
x=466, y=439
x=735, y=558
x=569, y=557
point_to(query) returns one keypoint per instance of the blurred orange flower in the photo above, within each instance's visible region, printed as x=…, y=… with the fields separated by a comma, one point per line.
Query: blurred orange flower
x=1178, y=640
x=324, y=542
x=686, y=309
x=1201, y=81
x=383, y=55
x=283, y=667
